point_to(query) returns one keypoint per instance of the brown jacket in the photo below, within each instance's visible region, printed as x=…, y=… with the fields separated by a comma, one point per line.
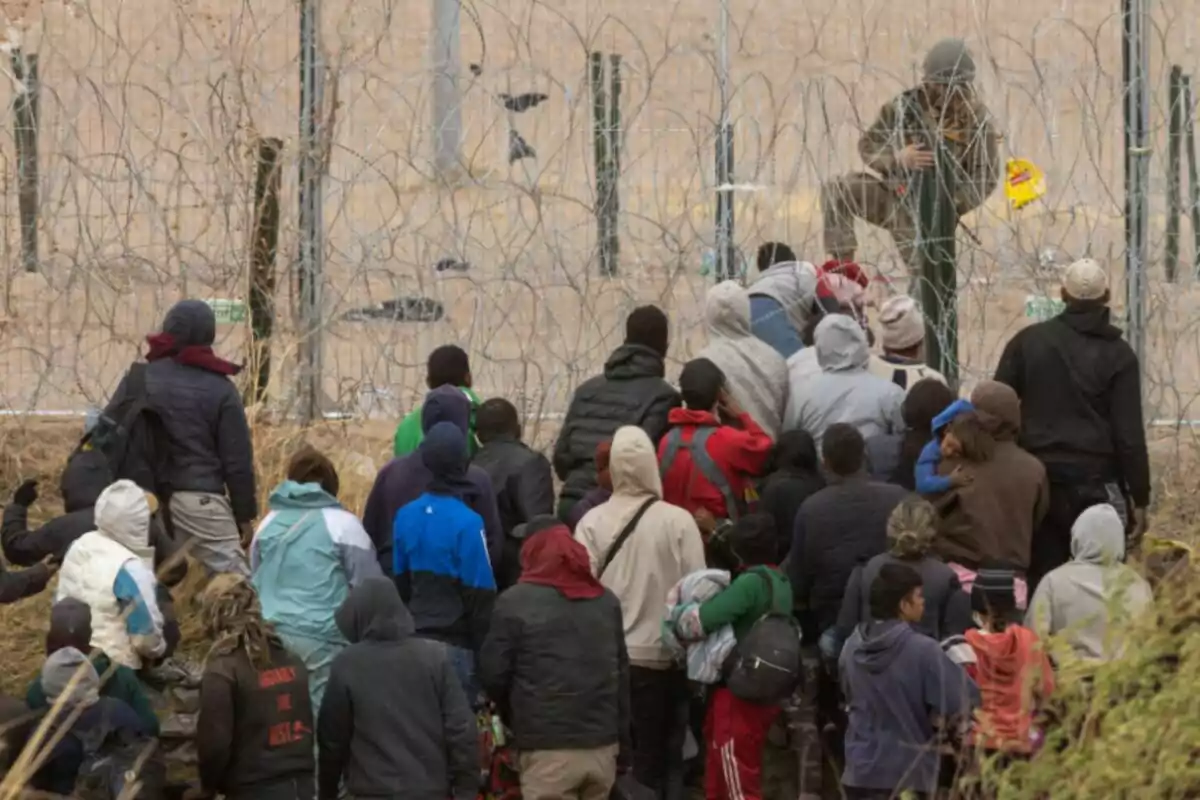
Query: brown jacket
x=995, y=516
x=975, y=148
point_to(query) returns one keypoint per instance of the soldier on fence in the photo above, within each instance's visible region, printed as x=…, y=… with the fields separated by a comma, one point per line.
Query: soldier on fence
x=902, y=142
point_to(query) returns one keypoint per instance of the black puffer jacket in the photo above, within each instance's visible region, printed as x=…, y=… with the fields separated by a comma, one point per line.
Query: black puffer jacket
x=210, y=441
x=559, y=667
x=524, y=489
x=1081, y=397
x=630, y=392
x=839, y=527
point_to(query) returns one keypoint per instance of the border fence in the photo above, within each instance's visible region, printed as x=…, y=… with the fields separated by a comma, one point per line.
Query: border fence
x=426, y=184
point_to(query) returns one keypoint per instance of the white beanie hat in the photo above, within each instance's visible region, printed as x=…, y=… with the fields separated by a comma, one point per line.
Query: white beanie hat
x=1086, y=280
x=902, y=322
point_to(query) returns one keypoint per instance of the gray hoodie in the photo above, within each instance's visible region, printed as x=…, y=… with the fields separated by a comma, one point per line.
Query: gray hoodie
x=844, y=391
x=1084, y=597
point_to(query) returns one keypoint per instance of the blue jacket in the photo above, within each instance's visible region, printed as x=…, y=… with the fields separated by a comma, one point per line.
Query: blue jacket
x=306, y=555
x=441, y=567
x=769, y=323
x=895, y=681
x=927, y=479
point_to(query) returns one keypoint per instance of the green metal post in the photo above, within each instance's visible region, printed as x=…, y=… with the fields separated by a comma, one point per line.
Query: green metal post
x=937, y=222
x=1174, y=179
x=600, y=156
x=615, y=136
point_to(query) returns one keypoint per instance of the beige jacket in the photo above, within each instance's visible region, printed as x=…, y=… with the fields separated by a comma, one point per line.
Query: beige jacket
x=665, y=546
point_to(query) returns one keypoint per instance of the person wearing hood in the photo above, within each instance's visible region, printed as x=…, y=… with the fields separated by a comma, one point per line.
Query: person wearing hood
x=706, y=464
x=632, y=391
x=844, y=391
x=1081, y=413
x=1009, y=664
x=992, y=517
x=555, y=659
x=254, y=730
x=521, y=478
x=404, y=479
x=440, y=558
x=447, y=365
x=1077, y=601
x=892, y=457
x=306, y=555
x=599, y=493
x=97, y=725
x=757, y=375
x=639, y=547
x=794, y=475
x=903, y=338
x=900, y=688
x=782, y=298
x=112, y=570
x=214, y=495
x=86, y=475
x=394, y=721
x=958, y=436
x=911, y=530
x=71, y=626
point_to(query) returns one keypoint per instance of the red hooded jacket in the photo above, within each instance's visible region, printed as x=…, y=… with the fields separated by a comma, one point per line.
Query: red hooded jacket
x=1014, y=677
x=740, y=453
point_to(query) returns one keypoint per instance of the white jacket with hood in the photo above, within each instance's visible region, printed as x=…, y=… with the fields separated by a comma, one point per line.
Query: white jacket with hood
x=117, y=559
x=665, y=546
x=1079, y=599
x=844, y=390
x=755, y=374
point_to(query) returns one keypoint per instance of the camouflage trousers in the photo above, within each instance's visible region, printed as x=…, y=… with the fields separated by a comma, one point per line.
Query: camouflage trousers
x=867, y=197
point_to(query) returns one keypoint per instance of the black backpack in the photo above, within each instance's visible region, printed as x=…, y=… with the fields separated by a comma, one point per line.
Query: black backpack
x=133, y=438
x=765, y=666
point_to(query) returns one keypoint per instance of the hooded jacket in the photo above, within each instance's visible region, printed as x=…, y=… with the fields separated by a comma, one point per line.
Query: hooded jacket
x=947, y=606
x=755, y=373
x=896, y=681
x=112, y=570
x=1015, y=678
x=524, y=486
x=394, y=722
x=210, y=447
x=926, y=477
x=781, y=301
x=740, y=453
x=995, y=516
x=403, y=480
x=1081, y=398
x=1077, y=600
x=631, y=391
x=84, y=478
x=844, y=391
x=663, y=548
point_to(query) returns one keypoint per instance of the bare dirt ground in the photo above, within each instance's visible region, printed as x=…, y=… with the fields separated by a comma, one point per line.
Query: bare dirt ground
x=149, y=113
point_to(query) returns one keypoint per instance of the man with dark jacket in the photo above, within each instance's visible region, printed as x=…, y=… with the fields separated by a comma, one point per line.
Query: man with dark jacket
x=404, y=479
x=214, y=497
x=1081, y=414
x=838, y=527
x=555, y=660
x=521, y=479
x=631, y=391
x=394, y=721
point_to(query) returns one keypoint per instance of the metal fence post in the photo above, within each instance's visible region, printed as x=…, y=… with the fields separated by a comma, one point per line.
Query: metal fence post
x=1136, y=66
x=310, y=274
x=937, y=222
x=25, y=133
x=446, y=51
x=1189, y=145
x=264, y=245
x=727, y=265
x=1174, y=177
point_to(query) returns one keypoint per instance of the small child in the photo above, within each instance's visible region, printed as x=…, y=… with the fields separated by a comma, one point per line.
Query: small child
x=957, y=433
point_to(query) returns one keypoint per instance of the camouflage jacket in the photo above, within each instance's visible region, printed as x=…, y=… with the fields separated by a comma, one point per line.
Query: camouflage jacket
x=974, y=148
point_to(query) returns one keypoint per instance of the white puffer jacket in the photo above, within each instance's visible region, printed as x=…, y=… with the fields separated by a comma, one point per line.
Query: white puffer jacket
x=91, y=566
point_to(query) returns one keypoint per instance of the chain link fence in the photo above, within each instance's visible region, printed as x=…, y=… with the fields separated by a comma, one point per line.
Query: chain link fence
x=151, y=114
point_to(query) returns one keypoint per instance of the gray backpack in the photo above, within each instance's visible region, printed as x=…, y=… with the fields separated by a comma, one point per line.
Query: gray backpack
x=765, y=666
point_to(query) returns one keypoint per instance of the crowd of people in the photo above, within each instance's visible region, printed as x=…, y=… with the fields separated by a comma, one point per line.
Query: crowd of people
x=919, y=548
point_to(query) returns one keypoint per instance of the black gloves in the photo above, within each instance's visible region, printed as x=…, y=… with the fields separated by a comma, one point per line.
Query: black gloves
x=26, y=494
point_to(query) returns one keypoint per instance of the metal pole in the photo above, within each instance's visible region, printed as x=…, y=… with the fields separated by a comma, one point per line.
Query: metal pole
x=1136, y=64
x=25, y=134
x=446, y=56
x=1189, y=138
x=726, y=260
x=312, y=240
x=1174, y=171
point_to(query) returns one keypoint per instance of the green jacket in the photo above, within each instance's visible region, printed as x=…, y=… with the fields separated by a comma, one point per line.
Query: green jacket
x=409, y=433
x=746, y=600
x=122, y=684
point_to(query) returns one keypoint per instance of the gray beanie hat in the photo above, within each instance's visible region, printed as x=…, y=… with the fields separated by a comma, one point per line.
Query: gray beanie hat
x=949, y=61
x=69, y=672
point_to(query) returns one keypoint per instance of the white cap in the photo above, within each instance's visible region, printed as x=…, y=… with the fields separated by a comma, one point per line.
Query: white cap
x=1086, y=280
x=902, y=323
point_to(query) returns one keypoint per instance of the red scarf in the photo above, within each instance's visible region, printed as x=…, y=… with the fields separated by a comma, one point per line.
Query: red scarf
x=200, y=356
x=552, y=558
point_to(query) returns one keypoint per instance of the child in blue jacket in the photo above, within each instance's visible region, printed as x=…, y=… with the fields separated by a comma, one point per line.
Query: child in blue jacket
x=957, y=433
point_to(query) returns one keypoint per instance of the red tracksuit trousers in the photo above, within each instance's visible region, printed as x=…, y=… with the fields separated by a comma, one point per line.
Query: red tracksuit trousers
x=736, y=733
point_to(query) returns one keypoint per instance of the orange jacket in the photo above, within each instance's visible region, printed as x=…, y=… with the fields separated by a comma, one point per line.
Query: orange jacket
x=1015, y=678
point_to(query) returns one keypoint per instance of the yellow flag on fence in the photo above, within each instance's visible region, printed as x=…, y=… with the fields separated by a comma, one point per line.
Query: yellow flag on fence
x=1025, y=183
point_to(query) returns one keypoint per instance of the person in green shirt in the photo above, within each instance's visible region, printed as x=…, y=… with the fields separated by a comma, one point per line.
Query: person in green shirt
x=71, y=626
x=448, y=365
x=737, y=729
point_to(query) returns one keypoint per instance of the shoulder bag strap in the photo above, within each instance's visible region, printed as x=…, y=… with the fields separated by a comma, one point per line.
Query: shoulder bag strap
x=624, y=534
x=712, y=473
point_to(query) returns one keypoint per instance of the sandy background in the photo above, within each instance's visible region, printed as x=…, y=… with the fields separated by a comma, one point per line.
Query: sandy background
x=150, y=109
